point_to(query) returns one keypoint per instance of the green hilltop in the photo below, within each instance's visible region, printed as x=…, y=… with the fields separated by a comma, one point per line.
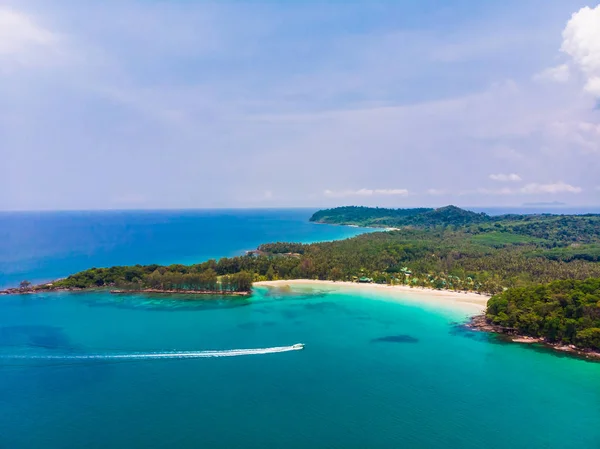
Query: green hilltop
x=380, y=217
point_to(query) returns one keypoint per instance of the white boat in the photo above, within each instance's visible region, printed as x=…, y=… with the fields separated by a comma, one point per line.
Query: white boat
x=298, y=346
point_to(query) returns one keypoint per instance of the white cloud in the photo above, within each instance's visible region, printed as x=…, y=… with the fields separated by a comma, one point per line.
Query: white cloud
x=581, y=41
x=593, y=86
x=511, y=177
x=22, y=40
x=559, y=74
x=529, y=189
x=558, y=187
x=365, y=192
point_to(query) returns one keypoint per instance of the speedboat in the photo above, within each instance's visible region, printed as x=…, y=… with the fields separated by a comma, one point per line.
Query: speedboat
x=298, y=346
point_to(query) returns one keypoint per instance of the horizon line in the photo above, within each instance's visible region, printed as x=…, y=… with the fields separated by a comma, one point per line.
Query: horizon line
x=167, y=209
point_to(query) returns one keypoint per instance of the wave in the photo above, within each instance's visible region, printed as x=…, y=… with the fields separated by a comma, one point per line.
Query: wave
x=157, y=355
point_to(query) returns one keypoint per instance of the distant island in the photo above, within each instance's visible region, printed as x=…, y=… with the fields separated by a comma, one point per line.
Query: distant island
x=446, y=248
x=417, y=217
x=545, y=203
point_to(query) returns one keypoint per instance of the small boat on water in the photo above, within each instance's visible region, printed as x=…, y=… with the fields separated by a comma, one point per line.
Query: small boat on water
x=298, y=346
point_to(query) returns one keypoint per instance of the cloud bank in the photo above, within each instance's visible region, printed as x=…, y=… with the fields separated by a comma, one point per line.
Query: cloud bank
x=581, y=42
x=122, y=104
x=558, y=187
x=511, y=177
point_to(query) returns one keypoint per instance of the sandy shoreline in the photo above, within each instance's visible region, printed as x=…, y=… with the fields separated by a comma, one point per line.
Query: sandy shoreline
x=476, y=302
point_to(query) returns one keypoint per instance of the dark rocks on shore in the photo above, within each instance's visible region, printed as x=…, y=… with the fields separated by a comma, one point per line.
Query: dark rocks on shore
x=39, y=289
x=480, y=323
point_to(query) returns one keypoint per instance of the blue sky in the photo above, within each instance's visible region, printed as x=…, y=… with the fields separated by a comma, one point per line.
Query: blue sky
x=146, y=104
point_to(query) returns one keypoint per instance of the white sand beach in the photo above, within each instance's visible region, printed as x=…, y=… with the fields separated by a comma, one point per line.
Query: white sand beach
x=474, y=301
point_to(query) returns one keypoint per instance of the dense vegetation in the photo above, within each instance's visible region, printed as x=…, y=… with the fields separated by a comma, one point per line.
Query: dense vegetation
x=552, y=228
x=379, y=217
x=487, y=256
x=565, y=311
x=177, y=277
x=365, y=216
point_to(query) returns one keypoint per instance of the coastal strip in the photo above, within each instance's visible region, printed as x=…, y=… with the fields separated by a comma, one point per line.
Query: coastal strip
x=477, y=302
x=479, y=323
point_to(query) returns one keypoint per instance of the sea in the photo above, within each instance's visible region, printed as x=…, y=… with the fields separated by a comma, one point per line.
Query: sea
x=95, y=370
x=43, y=246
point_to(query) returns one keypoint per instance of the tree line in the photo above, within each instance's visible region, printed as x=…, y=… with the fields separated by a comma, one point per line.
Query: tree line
x=564, y=229
x=566, y=311
x=169, y=278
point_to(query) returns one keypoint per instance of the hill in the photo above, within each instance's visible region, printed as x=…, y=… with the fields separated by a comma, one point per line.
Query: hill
x=380, y=217
x=366, y=216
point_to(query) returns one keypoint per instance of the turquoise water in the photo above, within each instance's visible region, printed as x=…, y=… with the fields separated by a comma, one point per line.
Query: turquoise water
x=375, y=373
x=42, y=246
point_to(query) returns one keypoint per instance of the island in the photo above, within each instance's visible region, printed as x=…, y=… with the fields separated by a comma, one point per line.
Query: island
x=508, y=256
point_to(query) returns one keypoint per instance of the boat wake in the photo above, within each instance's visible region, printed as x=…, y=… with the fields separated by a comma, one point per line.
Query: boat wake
x=158, y=355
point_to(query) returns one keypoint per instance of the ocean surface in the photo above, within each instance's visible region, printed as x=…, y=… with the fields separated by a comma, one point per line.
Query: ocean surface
x=42, y=246
x=80, y=370
x=94, y=370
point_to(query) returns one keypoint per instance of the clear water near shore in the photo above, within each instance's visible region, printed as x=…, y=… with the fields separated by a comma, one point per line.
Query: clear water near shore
x=376, y=372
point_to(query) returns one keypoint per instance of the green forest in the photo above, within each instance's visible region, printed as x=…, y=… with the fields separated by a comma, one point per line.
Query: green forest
x=197, y=278
x=553, y=228
x=565, y=312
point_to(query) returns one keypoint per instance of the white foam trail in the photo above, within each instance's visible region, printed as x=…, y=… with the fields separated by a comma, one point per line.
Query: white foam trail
x=159, y=355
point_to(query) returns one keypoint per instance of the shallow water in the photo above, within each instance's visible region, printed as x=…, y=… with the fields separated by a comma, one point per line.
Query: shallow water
x=376, y=372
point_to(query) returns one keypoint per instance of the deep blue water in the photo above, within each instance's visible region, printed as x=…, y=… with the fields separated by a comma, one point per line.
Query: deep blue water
x=42, y=246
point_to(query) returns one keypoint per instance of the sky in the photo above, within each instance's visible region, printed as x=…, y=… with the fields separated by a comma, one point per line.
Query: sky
x=142, y=104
